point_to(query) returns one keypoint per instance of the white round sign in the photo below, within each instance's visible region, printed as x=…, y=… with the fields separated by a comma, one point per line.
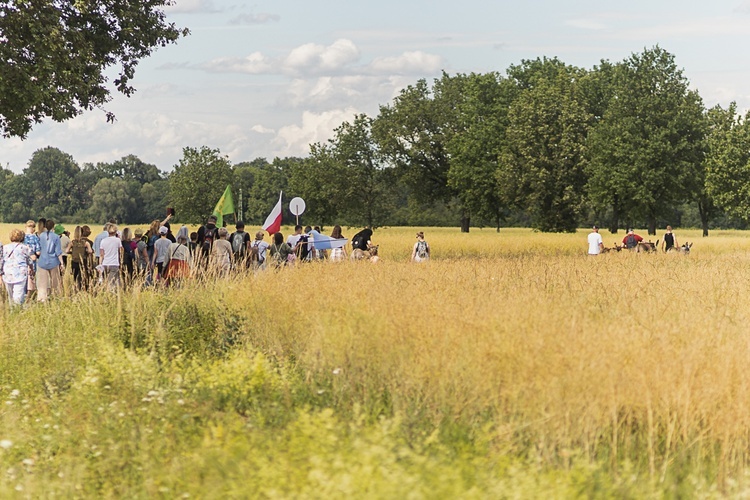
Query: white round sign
x=297, y=206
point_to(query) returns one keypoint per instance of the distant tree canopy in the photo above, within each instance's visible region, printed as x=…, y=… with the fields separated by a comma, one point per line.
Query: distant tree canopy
x=54, y=55
x=546, y=145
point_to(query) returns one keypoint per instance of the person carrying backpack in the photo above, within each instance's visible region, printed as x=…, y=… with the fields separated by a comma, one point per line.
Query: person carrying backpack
x=240, y=241
x=258, y=250
x=631, y=240
x=206, y=236
x=361, y=240
x=421, y=251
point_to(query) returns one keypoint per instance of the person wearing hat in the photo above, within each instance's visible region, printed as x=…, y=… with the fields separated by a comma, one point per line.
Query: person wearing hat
x=161, y=248
x=631, y=240
x=596, y=245
x=64, y=242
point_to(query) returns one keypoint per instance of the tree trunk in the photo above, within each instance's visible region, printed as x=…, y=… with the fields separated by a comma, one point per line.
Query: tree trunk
x=704, y=218
x=615, y=222
x=465, y=220
x=652, y=225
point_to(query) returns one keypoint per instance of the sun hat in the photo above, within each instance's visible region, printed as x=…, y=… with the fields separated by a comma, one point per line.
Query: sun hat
x=59, y=229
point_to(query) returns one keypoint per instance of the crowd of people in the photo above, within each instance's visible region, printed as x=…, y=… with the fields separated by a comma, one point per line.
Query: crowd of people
x=36, y=259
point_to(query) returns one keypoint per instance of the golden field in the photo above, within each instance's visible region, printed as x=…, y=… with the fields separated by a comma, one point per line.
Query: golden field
x=512, y=364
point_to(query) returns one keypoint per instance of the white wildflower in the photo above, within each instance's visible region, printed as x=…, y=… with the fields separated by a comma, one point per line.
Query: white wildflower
x=6, y=443
x=337, y=371
x=28, y=461
x=15, y=393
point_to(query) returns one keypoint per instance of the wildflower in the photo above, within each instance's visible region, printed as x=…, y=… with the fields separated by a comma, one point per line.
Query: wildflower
x=28, y=461
x=337, y=371
x=6, y=443
x=15, y=393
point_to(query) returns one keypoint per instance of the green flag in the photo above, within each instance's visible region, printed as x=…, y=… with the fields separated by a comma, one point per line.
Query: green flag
x=225, y=206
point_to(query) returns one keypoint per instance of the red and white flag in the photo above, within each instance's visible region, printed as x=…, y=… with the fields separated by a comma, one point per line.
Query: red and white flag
x=273, y=221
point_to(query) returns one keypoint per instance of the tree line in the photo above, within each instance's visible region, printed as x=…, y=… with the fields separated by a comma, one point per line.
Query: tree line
x=546, y=145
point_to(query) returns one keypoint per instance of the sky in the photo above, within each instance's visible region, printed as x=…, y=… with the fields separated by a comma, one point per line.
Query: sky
x=268, y=78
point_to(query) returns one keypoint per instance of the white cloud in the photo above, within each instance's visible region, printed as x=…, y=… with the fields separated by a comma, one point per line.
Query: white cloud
x=262, y=130
x=310, y=58
x=315, y=58
x=363, y=92
x=294, y=140
x=334, y=60
x=408, y=63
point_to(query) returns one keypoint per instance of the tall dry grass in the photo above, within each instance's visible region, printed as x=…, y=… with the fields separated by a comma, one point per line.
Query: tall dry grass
x=618, y=357
x=511, y=344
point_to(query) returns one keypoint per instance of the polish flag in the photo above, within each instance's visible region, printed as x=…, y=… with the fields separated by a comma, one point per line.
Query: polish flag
x=273, y=222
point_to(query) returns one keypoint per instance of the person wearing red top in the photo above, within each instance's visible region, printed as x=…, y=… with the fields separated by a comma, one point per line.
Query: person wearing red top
x=631, y=240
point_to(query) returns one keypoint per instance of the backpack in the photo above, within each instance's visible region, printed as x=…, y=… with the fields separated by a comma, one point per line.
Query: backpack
x=359, y=242
x=78, y=251
x=303, y=247
x=129, y=253
x=255, y=253
x=630, y=241
x=422, y=249
x=209, y=235
x=238, y=242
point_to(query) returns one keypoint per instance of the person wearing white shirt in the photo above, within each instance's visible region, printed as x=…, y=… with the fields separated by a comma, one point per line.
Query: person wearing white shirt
x=293, y=239
x=110, y=251
x=596, y=245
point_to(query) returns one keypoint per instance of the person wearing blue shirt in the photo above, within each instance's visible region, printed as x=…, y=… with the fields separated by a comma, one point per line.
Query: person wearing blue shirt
x=49, y=266
x=99, y=238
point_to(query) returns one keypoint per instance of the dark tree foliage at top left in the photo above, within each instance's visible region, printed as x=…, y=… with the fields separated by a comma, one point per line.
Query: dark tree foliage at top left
x=54, y=54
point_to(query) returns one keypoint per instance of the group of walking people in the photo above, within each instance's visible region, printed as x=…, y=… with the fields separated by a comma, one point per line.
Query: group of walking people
x=37, y=258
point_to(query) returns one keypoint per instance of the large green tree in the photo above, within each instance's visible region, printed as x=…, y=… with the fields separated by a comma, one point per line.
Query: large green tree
x=56, y=55
x=197, y=183
x=645, y=148
x=728, y=160
x=412, y=134
x=130, y=168
x=481, y=120
x=49, y=184
x=115, y=198
x=542, y=166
